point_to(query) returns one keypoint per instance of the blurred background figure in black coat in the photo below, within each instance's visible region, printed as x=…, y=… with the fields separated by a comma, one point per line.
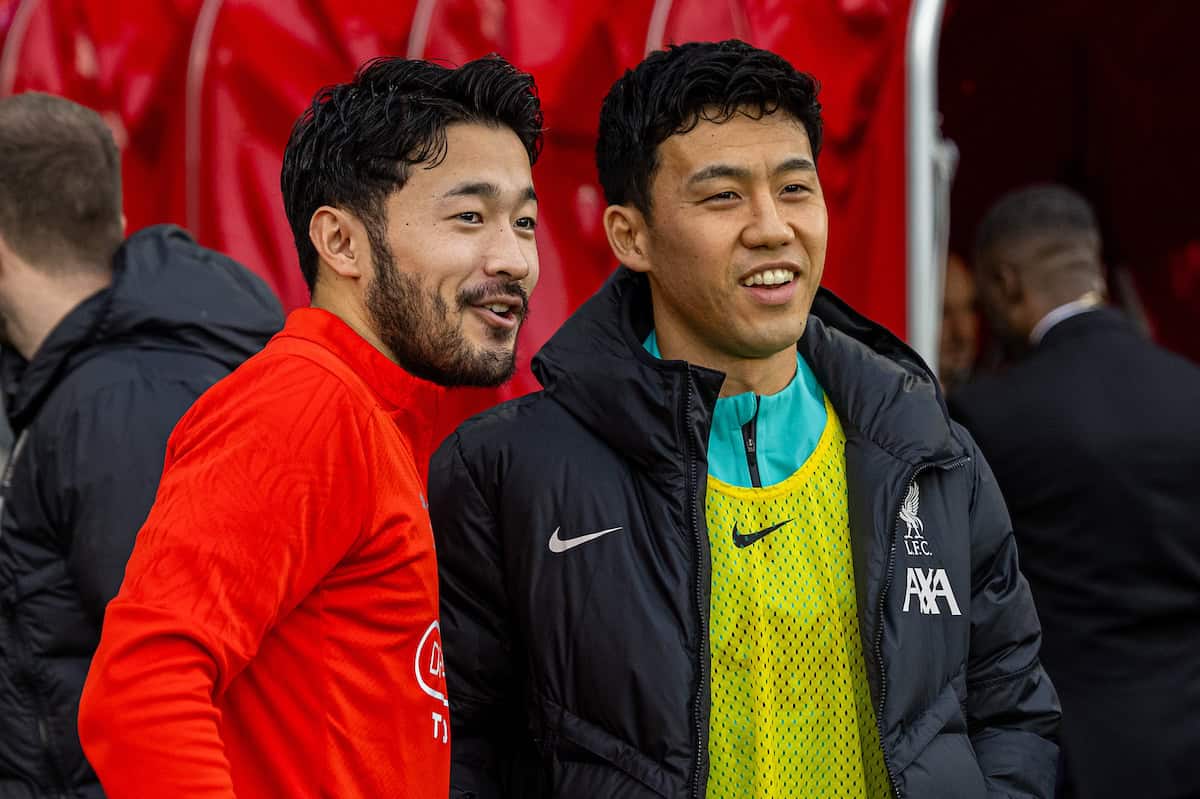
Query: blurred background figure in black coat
x=104, y=344
x=1094, y=436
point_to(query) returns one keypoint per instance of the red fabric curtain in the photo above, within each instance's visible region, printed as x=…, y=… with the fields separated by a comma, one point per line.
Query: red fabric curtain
x=7, y=9
x=261, y=66
x=129, y=66
x=255, y=65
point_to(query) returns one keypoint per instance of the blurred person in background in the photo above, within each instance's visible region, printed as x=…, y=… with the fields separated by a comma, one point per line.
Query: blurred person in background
x=1094, y=437
x=277, y=631
x=960, y=326
x=106, y=345
x=732, y=549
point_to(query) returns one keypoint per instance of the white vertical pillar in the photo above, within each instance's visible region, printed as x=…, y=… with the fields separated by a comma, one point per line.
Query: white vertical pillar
x=929, y=161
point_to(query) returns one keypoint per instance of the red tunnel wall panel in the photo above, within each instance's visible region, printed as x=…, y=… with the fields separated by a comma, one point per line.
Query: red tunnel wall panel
x=257, y=63
x=7, y=9
x=261, y=66
x=575, y=52
x=133, y=74
x=856, y=49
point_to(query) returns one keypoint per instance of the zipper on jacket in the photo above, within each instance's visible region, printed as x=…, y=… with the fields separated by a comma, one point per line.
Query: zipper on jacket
x=887, y=583
x=24, y=663
x=883, y=592
x=23, y=655
x=749, y=437
x=701, y=609
x=9, y=468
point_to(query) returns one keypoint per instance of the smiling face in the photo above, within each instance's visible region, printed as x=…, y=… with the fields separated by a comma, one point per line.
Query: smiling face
x=452, y=279
x=734, y=244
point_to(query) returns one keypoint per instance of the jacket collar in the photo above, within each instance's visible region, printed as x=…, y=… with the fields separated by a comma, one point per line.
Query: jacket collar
x=596, y=367
x=411, y=402
x=1088, y=302
x=28, y=383
x=881, y=389
x=1101, y=318
x=167, y=293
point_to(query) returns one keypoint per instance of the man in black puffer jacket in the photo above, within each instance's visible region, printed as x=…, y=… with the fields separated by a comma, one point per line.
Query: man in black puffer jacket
x=735, y=547
x=106, y=345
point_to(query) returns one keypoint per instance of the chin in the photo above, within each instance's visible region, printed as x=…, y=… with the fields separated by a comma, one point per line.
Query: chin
x=761, y=349
x=492, y=344
x=495, y=354
x=494, y=372
x=500, y=361
x=778, y=341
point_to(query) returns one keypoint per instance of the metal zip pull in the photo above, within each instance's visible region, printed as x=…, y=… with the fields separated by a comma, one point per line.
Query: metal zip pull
x=749, y=434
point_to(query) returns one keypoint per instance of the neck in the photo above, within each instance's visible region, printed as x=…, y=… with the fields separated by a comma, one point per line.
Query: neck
x=764, y=376
x=1053, y=311
x=353, y=314
x=46, y=303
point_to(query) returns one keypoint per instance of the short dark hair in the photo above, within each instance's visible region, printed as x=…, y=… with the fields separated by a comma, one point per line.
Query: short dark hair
x=60, y=183
x=1047, y=208
x=672, y=90
x=353, y=146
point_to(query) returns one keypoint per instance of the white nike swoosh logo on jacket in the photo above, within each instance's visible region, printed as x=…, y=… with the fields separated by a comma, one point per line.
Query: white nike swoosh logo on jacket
x=558, y=545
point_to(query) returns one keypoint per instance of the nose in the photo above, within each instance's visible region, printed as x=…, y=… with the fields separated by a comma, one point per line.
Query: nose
x=767, y=228
x=511, y=256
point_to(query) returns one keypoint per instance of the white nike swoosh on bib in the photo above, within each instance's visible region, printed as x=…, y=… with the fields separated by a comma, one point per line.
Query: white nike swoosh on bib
x=558, y=545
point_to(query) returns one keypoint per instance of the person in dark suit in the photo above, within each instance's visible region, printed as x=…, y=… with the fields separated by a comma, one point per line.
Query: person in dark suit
x=1094, y=437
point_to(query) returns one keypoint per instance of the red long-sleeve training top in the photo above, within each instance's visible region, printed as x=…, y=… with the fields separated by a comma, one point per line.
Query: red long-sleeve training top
x=276, y=634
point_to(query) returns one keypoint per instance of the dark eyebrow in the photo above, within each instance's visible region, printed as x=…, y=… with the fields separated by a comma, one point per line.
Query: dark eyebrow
x=796, y=165
x=715, y=171
x=480, y=188
x=486, y=190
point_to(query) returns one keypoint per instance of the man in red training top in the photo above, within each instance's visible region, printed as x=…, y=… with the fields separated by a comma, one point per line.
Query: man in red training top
x=277, y=631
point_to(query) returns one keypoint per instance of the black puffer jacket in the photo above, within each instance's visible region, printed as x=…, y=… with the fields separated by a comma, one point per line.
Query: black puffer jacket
x=584, y=673
x=92, y=412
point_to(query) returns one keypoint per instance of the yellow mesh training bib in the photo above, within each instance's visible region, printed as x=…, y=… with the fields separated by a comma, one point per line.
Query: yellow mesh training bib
x=791, y=708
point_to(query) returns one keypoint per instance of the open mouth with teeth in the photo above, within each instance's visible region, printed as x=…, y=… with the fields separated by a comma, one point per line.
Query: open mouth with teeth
x=499, y=314
x=770, y=277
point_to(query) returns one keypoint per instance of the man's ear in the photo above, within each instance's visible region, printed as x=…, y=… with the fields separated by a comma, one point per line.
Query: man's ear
x=341, y=242
x=626, y=230
x=1011, y=282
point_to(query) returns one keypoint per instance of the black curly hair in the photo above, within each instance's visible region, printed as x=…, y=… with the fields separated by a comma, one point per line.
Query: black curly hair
x=672, y=90
x=355, y=143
